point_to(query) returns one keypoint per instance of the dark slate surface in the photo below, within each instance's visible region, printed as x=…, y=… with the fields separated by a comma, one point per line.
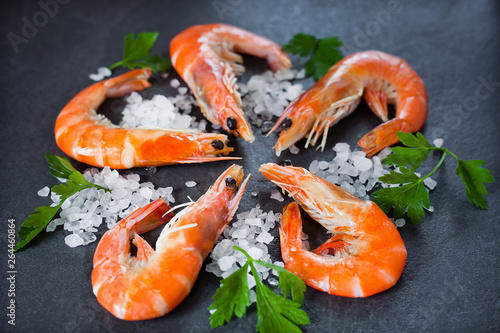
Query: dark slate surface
x=451, y=280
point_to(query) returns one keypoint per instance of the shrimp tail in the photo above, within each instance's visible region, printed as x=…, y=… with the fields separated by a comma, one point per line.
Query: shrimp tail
x=135, y=80
x=141, y=220
x=291, y=228
x=384, y=135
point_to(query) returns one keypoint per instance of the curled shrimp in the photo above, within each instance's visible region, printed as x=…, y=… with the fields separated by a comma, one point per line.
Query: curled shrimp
x=156, y=281
x=91, y=138
x=365, y=255
x=204, y=56
x=378, y=77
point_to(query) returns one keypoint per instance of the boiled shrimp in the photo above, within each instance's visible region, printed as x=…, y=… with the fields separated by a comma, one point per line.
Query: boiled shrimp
x=365, y=255
x=204, y=56
x=91, y=138
x=378, y=77
x=154, y=282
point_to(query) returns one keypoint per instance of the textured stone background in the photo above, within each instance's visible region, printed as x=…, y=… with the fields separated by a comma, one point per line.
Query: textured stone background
x=451, y=280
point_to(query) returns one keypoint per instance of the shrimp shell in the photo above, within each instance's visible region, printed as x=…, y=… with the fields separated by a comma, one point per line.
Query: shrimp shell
x=379, y=78
x=204, y=57
x=91, y=138
x=365, y=255
x=155, y=281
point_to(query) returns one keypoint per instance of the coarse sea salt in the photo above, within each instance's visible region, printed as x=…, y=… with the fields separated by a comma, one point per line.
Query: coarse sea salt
x=190, y=183
x=83, y=213
x=249, y=231
x=266, y=95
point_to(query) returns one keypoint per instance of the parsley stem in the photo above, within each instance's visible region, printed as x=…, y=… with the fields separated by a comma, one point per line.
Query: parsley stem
x=116, y=64
x=437, y=165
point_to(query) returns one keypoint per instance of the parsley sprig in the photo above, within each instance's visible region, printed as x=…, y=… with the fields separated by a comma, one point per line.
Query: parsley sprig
x=136, y=53
x=60, y=168
x=324, y=52
x=412, y=197
x=276, y=313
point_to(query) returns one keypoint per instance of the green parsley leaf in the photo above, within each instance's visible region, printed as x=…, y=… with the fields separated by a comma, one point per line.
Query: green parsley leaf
x=410, y=156
x=404, y=176
x=300, y=44
x=136, y=53
x=411, y=197
x=288, y=282
x=473, y=176
x=324, y=52
x=276, y=313
x=36, y=222
x=59, y=166
x=231, y=297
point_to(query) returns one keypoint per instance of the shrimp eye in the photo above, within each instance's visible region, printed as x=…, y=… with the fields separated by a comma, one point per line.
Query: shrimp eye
x=231, y=123
x=230, y=182
x=218, y=145
x=285, y=163
x=286, y=124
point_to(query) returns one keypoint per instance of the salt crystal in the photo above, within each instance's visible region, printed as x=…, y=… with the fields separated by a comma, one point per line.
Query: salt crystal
x=225, y=262
x=284, y=74
x=223, y=248
x=73, y=240
x=341, y=147
x=384, y=153
x=182, y=90
x=430, y=183
x=255, y=252
x=96, y=77
x=252, y=296
x=323, y=165
x=265, y=238
x=400, y=222
x=240, y=232
x=342, y=156
x=256, y=221
x=44, y=191
x=266, y=126
x=273, y=282
x=146, y=192
x=190, y=183
x=104, y=71
x=214, y=268
x=276, y=195
x=174, y=83
x=250, y=281
x=87, y=237
x=254, y=194
x=360, y=161
x=256, y=82
x=314, y=167
x=438, y=142
x=118, y=193
x=293, y=91
x=301, y=74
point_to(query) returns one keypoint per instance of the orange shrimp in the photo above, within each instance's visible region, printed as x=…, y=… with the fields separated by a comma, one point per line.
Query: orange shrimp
x=91, y=138
x=365, y=255
x=155, y=281
x=378, y=77
x=204, y=57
